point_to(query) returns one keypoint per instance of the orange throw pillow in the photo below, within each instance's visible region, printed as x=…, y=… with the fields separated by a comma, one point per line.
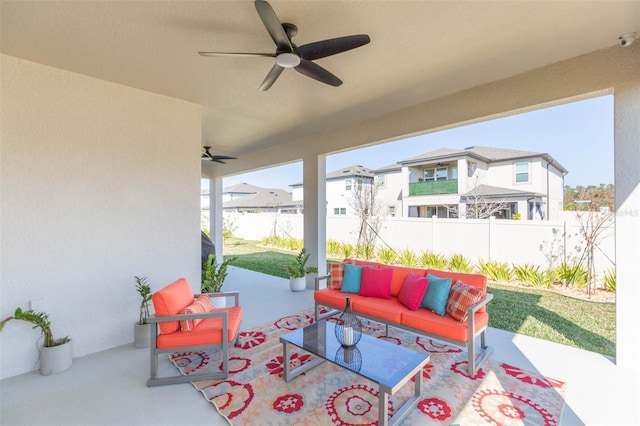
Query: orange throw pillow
x=200, y=305
x=460, y=298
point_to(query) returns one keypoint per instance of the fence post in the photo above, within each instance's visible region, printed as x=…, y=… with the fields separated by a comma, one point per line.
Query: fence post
x=491, y=236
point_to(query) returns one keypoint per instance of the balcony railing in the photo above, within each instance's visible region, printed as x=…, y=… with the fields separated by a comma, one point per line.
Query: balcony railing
x=449, y=186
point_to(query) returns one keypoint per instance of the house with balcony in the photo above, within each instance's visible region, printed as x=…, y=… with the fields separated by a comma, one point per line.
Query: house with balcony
x=480, y=181
x=343, y=188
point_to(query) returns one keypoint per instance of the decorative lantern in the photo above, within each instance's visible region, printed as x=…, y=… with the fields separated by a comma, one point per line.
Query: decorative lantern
x=350, y=358
x=347, y=327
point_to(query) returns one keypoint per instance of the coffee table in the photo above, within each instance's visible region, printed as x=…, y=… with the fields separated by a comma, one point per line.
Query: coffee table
x=388, y=365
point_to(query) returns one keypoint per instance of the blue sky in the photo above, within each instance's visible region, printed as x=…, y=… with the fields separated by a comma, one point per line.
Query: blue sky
x=578, y=135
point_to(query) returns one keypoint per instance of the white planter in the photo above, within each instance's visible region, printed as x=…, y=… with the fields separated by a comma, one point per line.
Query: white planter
x=55, y=359
x=141, y=335
x=298, y=284
x=218, y=302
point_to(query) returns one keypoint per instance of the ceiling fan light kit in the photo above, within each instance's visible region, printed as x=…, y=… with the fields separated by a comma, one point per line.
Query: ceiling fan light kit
x=288, y=55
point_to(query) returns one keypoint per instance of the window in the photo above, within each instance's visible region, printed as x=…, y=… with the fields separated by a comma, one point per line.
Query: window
x=391, y=211
x=340, y=211
x=432, y=175
x=347, y=184
x=381, y=181
x=522, y=172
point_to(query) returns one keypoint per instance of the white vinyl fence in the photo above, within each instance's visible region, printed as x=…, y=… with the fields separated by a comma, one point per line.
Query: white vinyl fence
x=543, y=243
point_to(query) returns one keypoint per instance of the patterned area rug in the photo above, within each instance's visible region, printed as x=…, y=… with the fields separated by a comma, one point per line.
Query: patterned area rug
x=256, y=394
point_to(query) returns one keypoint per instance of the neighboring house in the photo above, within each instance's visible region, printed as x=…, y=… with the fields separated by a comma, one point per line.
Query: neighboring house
x=448, y=182
x=343, y=186
x=245, y=198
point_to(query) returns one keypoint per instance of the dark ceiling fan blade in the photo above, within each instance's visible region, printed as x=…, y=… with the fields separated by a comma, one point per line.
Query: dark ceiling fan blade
x=267, y=55
x=273, y=25
x=322, y=49
x=223, y=157
x=218, y=161
x=271, y=78
x=315, y=71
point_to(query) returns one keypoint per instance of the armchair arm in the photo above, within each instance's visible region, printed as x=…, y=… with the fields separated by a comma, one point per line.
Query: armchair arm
x=471, y=313
x=320, y=278
x=182, y=317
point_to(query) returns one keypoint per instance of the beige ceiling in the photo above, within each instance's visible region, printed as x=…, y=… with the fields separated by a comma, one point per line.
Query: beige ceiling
x=419, y=50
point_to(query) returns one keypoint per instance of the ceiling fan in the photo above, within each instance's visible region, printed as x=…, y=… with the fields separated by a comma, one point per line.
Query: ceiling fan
x=206, y=155
x=288, y=55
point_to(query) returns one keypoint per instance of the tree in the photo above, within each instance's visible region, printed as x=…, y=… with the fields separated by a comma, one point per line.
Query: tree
x=597, y=196
x=364, y=202
x=479, y=206
x=593, y=224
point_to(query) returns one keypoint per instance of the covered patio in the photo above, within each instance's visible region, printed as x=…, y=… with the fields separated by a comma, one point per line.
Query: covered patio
x=105, y=109
x=108, y=387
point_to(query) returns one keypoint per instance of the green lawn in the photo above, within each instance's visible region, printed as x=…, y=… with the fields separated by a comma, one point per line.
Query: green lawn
x=582, y=324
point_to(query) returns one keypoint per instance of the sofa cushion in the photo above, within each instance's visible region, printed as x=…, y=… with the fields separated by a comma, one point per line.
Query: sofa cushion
x=413, y=291
x=335, y=298
x=336, y=275
x=389, y=310
x=400, y=275
x=437, y=293
x=352, y=278
x=200, y=305
x=171, y=300
x=376, y=283
x=460, y=298
x=445, y=326
x=208, y=332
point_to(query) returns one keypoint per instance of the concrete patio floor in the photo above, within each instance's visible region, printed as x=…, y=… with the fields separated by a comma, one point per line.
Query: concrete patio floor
x=109, y=387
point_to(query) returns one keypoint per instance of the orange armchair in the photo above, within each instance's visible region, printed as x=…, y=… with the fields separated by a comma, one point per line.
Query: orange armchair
x=187, y=322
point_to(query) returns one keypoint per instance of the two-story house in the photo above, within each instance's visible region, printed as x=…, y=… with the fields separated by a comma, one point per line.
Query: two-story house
x=344, y=186
x=479, y=181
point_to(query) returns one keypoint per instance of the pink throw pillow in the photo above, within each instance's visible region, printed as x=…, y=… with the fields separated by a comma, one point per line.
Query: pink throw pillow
x=413, y=291
x=376, y=283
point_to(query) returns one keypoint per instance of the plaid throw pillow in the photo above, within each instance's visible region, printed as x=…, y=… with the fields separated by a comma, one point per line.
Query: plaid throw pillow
x=460, y=298
x=200, y=305
x=336, y=272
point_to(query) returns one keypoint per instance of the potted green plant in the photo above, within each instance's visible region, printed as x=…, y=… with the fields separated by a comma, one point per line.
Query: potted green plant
x=141, y=329
x=55, y=354
x=213, y=276
x=297, y=271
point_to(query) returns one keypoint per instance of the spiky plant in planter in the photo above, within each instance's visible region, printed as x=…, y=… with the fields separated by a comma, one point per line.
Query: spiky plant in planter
x=144, y=290
x=213, y=275
x=39, y=320
x=298, y=269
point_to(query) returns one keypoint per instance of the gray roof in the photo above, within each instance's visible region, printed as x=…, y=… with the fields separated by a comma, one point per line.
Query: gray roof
x=489, y=191
x=242, y=188
x=347, y=172
x=395, y=167
x=261, y=198
x=482, y=153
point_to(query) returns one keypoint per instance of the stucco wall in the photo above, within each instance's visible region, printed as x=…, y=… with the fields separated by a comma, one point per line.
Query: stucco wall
x=99, y=182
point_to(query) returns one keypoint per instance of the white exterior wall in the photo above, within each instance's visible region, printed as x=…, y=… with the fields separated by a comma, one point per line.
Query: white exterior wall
x=338, y=197
x=81, y=167
x=297, y=193
x=391, y=193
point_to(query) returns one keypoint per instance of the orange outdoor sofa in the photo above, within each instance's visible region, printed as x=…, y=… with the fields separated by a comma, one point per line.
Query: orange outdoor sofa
x=413, y=299
x=184, y=321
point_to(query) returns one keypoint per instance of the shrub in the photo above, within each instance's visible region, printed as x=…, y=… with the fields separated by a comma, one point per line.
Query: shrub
x=228, y=228
x=365, y=251
x=386, y=256
x=459, y=263
x=347, y=250
x=610, y=279
x=533, y=276
x=575, y=275
x=333, y=247
x=431, y=260
x=496, y=271
x=407, y=258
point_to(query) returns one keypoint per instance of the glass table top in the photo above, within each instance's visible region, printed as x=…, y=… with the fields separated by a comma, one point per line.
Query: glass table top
x=376, y=359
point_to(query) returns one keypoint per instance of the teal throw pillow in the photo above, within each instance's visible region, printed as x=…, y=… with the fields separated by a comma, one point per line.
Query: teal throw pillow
x=352, y=278
x=437, y=293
